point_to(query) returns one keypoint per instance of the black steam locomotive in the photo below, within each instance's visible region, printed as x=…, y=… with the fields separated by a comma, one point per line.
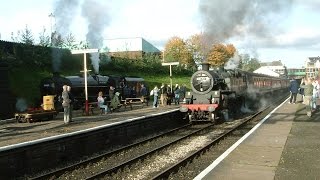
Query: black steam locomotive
x=216, y=93
x=95, y=83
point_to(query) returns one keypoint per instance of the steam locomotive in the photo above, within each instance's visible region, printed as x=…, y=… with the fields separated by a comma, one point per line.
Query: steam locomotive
x=218, y=93
x=95, y=83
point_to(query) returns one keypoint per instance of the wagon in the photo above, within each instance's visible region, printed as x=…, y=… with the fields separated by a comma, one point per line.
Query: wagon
x=33, y=116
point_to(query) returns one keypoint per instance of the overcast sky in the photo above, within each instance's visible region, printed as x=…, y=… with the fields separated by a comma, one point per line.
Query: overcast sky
x=288, y=31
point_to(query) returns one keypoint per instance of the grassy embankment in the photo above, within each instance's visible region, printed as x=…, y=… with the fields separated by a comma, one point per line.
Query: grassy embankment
x=25, y=82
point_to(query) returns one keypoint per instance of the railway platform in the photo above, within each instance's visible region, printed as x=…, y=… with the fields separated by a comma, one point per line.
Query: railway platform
x=12, y=132
x=284, y=145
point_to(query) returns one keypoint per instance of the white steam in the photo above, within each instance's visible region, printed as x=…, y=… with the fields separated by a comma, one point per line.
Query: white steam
x=97, y=16
x=21, y=105
x=233, y=62
x=64, y=12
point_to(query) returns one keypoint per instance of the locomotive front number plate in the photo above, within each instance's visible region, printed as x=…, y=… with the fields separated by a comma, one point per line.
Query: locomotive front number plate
x=202, y=78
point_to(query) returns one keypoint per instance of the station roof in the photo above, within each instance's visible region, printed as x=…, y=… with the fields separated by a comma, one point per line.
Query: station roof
x=266, y=71
x=129, y=44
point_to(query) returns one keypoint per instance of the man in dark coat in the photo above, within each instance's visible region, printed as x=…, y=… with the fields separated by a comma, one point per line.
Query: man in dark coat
x=293, y=90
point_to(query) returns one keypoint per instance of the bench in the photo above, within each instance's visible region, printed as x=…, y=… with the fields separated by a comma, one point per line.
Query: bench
x=138, y=101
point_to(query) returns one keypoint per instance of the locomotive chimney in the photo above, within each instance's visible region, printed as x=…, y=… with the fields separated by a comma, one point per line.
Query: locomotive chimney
x=205, y=66
x=56, y=74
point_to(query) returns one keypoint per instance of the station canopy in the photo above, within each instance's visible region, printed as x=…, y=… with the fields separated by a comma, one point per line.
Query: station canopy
x=266, y=71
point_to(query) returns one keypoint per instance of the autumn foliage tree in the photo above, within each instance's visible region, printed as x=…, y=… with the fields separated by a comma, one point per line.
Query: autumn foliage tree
x=197, y=47
x=219, y=54
x=176, y=50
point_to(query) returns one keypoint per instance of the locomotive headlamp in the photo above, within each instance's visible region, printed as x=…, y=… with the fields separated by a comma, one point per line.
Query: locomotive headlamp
x=212, y=100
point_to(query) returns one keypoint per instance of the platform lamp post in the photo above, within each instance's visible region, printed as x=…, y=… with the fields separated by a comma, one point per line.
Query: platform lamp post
x=51, y=16
x=170, y=64
x=84, y=52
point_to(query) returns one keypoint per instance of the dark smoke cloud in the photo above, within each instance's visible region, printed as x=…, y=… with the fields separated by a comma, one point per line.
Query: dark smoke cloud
x=97, y=16
x=227, y=19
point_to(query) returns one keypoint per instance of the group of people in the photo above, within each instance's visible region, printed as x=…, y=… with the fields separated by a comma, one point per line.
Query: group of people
x=309, y=89
x=167, y=95
x=115, y=98
x=68, y=100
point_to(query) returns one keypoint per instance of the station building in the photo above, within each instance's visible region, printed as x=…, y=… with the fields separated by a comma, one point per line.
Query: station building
x=312, y=67
x=130, y=48
x=275, y=66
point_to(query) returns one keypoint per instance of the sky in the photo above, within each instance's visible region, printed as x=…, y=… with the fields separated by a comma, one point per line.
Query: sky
x=288, y=30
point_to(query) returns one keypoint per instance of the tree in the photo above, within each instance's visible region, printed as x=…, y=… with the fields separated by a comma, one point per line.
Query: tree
x=248, y=63
x=23, y=36
x=197, y=47
x=70, y=42
x=15, y=38
x=220, y=54
x=44, y=39
x=27, y=36
x=176, y=50
x=82, y=45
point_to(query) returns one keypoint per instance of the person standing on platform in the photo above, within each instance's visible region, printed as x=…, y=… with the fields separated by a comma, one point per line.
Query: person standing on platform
x=169, y=95
x=111, y=92
x=315, y=93
x=71, y=97
x=163, y=95
x=177, y=95
x=144, y=93
x=307, y=100
x=65, y=104
x=293, y=90
x=155, y=93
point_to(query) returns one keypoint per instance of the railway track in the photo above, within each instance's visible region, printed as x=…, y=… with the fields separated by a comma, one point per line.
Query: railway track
x=161, y=164
x=184, y=132
x=140, y=164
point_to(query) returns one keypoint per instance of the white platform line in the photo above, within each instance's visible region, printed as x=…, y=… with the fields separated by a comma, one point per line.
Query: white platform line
x=51, y=138
x=234, y=146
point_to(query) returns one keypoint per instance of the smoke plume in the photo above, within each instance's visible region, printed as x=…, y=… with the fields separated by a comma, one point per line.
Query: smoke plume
x=21, y=105
x=223, y=20
x=64, y=12
x=56, y=54
x=97, y=16
x=233, y=62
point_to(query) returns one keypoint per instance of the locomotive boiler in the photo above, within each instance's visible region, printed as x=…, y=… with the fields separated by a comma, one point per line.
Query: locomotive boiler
x=219, y=94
